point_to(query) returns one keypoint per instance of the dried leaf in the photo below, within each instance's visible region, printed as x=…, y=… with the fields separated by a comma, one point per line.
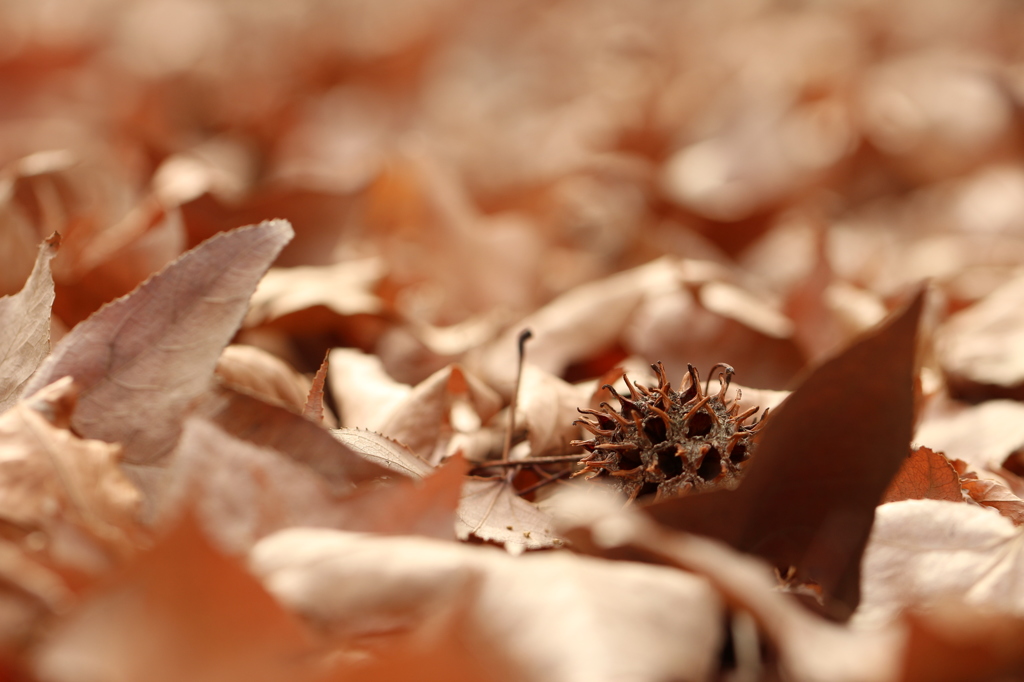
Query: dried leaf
x=179, y=611
x=825, y=458
x=258, y=372
x=242, y=492
x=25, y=326
x=982, y=435
x=144, y=358
x=274, y=427
x=384, y=451
x=364, y=584
x=344, y=288
x=49, y=476
x=491, y=510
x=925, y=550
x=989, y=493
x=925, y=474
x=979, y=348
x=547, y=408
x=314, y=407
x=362, y=388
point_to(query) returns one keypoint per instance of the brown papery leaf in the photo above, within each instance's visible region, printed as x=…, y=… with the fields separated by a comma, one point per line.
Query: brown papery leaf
x=180, y=611
x=491, y=510
x=990, y=493
x=25, y=326
x=142, y=359
x=925, y=475
x=544, y=610
x=825, y=459
x=314, y=407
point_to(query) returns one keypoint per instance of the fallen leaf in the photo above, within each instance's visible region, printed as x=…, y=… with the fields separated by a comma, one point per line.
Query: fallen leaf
x=825, y=458
x=925, y=474
x=267, y=376
x=272, y=426
x=491, y=510
x=979, y=348
x=181, y=610
x=808, y=647
x=990, y=493
x=314, y=407
x=384, y=451
x=141, y=360
x=426, y=417
x=922, y=551
x=242, y=492
x=344, y=288
x=25, y=326
x=359, y=585
x=982, y=435
x=546, y=408
x=50, y=477
x=362, y=388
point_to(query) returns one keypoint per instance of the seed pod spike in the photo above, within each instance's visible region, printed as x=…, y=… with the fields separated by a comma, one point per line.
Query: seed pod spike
x=729, y=371
x=615, y=447
x=739, y=419
x=696, y=408
x=639, y=424
x=695, y=378
x=626, y=403
x=662, y=414
x=663, y=384
x=593, y=428
x=734, y=406
x=615, y=415
x=633, y=393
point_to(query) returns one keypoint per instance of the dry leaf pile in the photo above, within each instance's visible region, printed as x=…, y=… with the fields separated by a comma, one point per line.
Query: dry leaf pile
x=264, y=269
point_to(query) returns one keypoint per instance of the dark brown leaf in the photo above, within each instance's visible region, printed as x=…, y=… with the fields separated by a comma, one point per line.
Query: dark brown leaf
x=825, y=459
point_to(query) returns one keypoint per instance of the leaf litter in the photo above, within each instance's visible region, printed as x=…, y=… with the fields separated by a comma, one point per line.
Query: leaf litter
x=177, y=502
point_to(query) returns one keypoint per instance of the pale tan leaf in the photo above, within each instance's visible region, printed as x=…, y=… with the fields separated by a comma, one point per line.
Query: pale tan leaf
x=980, y=347
x=547, y=409
x=144, y=358
x=363, y=390
x=25, y=326
x=547, y=611
x=384, y=451
x=981, y=435
x=344, y=288
x=922, y=551
x=491, y=510
x=258, y=372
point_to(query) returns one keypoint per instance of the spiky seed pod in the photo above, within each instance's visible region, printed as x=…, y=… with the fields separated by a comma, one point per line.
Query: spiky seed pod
x=665, y=443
